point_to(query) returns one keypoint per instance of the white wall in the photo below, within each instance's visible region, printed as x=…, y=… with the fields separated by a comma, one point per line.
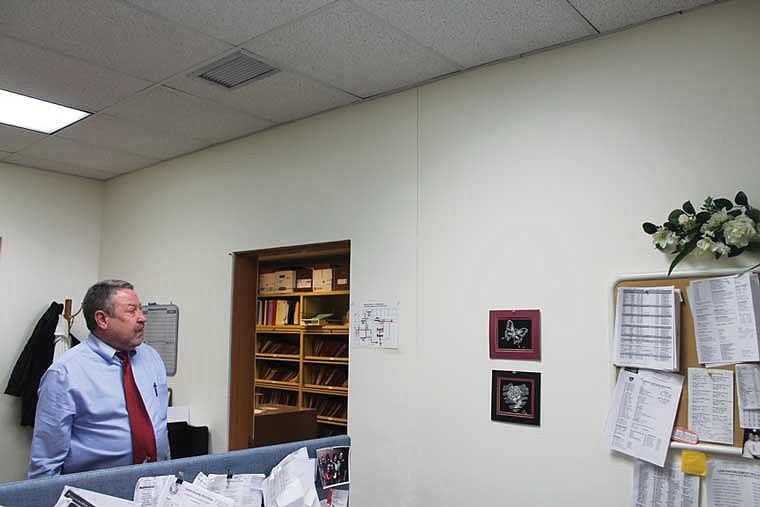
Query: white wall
x=349, y=174
x=50, y=229
x=519, y=185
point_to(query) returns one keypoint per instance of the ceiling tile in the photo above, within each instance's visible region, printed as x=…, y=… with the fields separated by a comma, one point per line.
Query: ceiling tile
x=16, y=139
x=351, y=50
x=169, y=110
x=234, y=21
x=43, y=74
x=608, y=15
x=474, y=32
x=109, y=33
x=123, y=135
x=59, y=167
x=281, y=97
x=79, y=154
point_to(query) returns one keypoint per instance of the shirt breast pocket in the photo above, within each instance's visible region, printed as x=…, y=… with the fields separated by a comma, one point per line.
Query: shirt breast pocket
x=162, y=392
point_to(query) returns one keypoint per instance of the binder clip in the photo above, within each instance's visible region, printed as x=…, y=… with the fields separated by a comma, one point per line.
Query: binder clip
x=229, y=475
x=175, y=487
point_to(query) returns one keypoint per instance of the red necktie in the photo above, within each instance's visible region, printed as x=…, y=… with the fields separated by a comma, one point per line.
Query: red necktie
x=143, y=438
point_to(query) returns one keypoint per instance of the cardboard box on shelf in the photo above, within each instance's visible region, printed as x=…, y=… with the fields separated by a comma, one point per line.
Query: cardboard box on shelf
x=303, y=280
x=267, y=283
x=340, y=279
x=285, y=280
x=322, y=279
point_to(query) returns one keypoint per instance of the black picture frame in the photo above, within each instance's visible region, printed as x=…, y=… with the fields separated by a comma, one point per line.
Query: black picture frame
x=516, y=397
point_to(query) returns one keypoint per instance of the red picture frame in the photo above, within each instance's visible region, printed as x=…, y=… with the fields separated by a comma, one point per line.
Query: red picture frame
x=515, y=334
x=516, y=397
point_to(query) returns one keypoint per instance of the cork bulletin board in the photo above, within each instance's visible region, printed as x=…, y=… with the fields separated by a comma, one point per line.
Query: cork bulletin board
x=688, y=352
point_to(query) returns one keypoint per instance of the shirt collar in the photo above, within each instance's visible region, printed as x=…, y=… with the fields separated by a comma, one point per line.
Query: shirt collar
x=103, y=349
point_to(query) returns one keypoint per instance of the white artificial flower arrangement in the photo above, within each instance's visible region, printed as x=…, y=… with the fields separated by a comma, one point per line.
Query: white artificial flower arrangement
x=719, y=228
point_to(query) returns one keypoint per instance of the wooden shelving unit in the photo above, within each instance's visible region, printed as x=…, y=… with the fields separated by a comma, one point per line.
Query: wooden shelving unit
x=261, y=355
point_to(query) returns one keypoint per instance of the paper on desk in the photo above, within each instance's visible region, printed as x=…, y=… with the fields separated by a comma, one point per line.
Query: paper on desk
x=641, y=416
x=244, y=489
x=291, y=482
x=147, y=489
x=711, y=404
x=732, y=483
x=187, y=494
x=646, y=327
x=664, y=487
x=725, y=314
x=77, y=497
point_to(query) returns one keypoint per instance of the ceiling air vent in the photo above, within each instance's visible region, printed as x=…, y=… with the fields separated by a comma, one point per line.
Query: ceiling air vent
x=235, y=70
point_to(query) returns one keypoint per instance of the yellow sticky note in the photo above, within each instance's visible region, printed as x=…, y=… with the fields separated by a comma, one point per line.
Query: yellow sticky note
x=694, y=463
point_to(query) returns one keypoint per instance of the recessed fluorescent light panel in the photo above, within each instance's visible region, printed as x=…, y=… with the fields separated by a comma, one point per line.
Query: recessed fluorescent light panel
x=33, y=114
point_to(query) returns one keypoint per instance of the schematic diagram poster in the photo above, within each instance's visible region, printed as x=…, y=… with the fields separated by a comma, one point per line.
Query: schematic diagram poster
x=375, y=325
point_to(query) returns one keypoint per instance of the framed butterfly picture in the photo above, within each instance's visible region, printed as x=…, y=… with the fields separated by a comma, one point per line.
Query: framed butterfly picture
x=515, y=334
x=516, y=397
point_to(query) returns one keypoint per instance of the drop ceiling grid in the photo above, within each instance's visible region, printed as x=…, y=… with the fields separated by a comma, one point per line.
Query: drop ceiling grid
x=13, y=139
x=282, y=97
x=45, y=74
x=86, y=155
x=473, y=32
x=122, y=135
x=232, y=21
x=111, y=34
x=60, y=167
x=346, y=47
x=607, y=15
x=172, y=110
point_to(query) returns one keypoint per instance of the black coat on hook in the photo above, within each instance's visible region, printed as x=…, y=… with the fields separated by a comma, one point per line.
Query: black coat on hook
x=33, y=362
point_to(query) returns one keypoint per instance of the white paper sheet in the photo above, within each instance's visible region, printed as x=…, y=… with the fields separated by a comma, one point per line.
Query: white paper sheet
x=664, y=487
x=244, y=489
x=291, y=482
x=711, y=404
x=748, y=393
x=78, y=497
x=375, y=325
x=732, y=483
x=339, y=498
x=748, y=385
x=190, y=495
x=646, y=328
x=148, y=489
x=725, y=325
x=640, y=421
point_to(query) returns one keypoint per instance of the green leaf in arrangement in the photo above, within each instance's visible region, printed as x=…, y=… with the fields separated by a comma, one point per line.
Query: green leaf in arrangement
x=685, y=250
x=649, y=227
x=717, y=228
x=673, y=217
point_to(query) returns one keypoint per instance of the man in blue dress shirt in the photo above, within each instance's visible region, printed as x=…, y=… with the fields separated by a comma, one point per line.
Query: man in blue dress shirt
x=82, y=421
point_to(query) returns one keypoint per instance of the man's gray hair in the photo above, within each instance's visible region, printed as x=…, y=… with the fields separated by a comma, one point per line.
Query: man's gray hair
x=98, y=297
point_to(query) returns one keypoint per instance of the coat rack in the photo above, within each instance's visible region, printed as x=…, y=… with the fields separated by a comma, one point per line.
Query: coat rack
x=67, y=313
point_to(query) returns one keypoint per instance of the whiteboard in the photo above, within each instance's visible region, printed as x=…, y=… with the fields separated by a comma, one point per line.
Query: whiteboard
x=161, y=333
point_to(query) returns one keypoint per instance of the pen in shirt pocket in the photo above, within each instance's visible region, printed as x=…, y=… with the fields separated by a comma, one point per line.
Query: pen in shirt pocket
x=155, y=388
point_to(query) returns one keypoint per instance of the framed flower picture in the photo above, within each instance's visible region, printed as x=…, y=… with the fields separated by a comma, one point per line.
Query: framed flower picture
x=515, y=334
x=516, y=397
